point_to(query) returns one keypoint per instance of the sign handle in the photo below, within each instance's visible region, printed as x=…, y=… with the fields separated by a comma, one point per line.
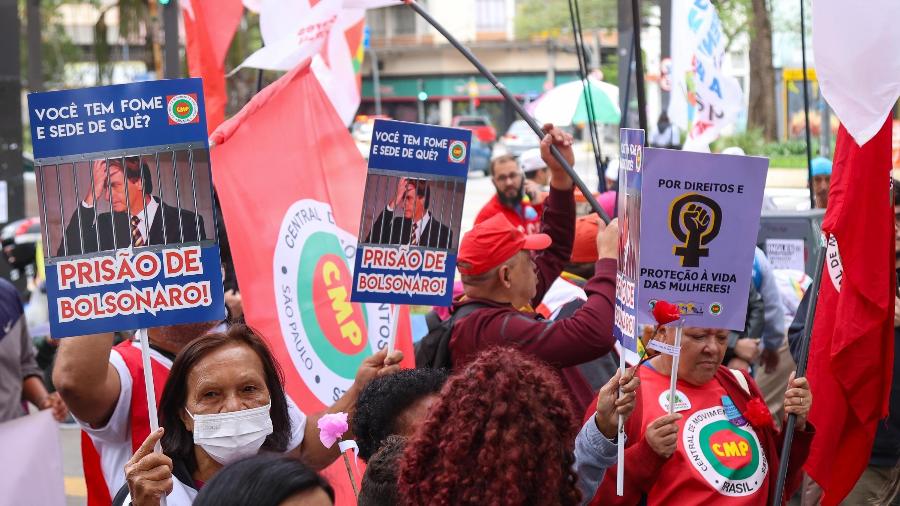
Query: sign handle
x=673, y=377
x=620, y=439
x=151, y=392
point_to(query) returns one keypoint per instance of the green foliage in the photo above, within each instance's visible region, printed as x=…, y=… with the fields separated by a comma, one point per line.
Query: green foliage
x=56, y=47
x=750, y=140
x=549, y=18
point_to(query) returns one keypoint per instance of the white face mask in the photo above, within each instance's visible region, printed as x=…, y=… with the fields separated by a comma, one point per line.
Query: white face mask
x=228, y=437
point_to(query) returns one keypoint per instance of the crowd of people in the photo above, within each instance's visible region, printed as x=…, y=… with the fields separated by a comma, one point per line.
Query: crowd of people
x=517, y=398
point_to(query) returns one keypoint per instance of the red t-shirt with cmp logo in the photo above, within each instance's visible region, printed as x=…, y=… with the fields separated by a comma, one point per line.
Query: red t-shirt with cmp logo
x=716, y=461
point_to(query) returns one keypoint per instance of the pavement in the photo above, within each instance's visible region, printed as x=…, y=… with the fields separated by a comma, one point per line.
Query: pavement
x=789, y=183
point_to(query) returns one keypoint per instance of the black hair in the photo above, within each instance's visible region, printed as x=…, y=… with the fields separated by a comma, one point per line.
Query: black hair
x=423, y=189
x=895, y=191
x=379, y=483
x=132, y=173
x=501, y=159
x=261, y=480
x=384, y=399
x=177, y=442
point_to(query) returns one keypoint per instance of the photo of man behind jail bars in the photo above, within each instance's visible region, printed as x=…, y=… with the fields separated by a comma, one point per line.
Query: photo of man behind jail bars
x=119, y=203
x=413, y=212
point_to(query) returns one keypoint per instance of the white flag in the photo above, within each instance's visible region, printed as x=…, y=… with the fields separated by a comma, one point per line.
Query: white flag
x=704, y=100
x=857, y=55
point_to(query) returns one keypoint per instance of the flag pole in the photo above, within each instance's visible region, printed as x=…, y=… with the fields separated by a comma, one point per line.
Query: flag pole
x=639, y=65
x=812, y=198
x=511, y=100
x=801, y=372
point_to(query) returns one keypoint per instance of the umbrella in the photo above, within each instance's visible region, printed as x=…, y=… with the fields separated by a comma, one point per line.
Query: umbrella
x=565, y=104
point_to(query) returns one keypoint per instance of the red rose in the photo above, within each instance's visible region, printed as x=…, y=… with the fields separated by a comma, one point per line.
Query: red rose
x=665, y=312
x=757, y=413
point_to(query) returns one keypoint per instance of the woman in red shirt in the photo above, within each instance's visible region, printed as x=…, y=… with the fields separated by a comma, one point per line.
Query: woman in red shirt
x=721, y=445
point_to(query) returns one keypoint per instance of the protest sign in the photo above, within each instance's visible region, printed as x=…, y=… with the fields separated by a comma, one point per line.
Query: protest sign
x=125, y=197
x=412, y=209
x=786, y=253
x=700, y=217
x=631, y=148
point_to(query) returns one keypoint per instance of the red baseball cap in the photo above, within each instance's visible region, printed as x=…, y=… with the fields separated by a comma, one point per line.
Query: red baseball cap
x=492, y=242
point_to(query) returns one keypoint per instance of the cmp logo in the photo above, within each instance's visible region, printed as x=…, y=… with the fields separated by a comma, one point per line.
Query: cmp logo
x=457, y=151
x=726, y=456
x=183, y=109
x=326, y=335
x=715, y=309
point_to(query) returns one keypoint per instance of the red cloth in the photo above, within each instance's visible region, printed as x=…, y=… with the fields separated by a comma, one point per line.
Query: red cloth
x=584, y=336
x=291, y=183
x=678, y=480
x=515, y=216
x=851, y=351
x=209, y=26
x=138, y=417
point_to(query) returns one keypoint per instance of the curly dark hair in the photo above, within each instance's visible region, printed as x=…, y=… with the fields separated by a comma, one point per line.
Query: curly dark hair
x=379, y=483
x=383, y=401
x=502, y=433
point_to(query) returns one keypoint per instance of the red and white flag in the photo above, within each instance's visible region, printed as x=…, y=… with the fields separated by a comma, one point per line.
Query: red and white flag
x=209, y=26
x=291, y=183
x=328, y=31
x=851, y=353
x=857, y=54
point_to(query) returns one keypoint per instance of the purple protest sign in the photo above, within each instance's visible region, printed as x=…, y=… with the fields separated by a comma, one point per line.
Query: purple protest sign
x=700, y=218
x=631, y=146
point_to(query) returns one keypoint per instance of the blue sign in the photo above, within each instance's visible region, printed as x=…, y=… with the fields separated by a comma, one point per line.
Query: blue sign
x=127, y=215
x=124, y=116
x=626, y=330
x=412, y=211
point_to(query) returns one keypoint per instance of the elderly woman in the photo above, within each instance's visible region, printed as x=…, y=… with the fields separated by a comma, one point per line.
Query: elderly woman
x=720, y=447
x=223, y=401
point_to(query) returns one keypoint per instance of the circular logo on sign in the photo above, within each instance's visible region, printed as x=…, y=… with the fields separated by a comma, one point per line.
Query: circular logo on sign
x=728, y=457
x=326, y=335
x=182, y=109
x=457, y=151
x=715, y=309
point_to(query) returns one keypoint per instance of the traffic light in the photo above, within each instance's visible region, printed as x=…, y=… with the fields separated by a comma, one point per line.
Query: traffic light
x=423, y=96
x=163, y=2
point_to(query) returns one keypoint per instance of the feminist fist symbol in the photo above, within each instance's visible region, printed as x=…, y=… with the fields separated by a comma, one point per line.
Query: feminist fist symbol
x=696, y=221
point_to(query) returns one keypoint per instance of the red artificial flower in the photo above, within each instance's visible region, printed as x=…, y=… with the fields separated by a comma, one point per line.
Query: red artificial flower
x=665, y=312
x=757, y=413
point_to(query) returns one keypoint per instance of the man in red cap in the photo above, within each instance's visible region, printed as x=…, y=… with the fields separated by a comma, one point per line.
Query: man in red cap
x=501, y=276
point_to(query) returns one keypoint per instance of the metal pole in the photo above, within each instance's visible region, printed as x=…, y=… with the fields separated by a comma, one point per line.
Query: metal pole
x=812, y=198
x=626, y=97
x=588, y=195
x=35, y=70
x=170, y=26
x=801, y=372
x=665, y=30
x=376, y=81
x=639, y=65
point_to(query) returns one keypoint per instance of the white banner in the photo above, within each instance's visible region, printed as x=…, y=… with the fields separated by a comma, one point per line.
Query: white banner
x=703, y=99
x=31, y=471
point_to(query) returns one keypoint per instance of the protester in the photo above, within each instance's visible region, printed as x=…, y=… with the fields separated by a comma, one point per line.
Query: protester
x=223, y=400
x=20, y=377
x=510, y=198
x=721, y=445
x=379, y=483
x=503, y=432
x=666, y=134
x=266, y=480
x=504, y=283
x=743, y=348
x=821, y=180
x=537, y=176
x=394, y=404
x=104, y=386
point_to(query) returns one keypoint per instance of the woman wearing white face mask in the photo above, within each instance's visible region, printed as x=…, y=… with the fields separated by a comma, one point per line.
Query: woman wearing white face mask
x=223, y=401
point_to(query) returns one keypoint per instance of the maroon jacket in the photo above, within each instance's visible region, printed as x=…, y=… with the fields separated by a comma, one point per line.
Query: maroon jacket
x=585, y=336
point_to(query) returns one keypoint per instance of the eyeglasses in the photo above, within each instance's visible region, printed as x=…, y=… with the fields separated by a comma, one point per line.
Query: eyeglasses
x=509, y=177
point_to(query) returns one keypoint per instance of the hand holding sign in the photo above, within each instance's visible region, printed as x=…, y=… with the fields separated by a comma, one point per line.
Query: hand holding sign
x=149, y=473
x=563, y=141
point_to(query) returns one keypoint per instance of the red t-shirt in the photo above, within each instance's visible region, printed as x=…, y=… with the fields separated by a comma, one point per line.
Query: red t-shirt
x=525, y=217
x=716, y=461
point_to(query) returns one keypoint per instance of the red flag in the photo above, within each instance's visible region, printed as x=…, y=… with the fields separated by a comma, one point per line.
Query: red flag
x=291, y=181
x=851, y=352
x=209, y=26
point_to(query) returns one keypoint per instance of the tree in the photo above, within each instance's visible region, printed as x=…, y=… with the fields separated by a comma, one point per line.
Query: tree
x=762, y=113
x=548, y=17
